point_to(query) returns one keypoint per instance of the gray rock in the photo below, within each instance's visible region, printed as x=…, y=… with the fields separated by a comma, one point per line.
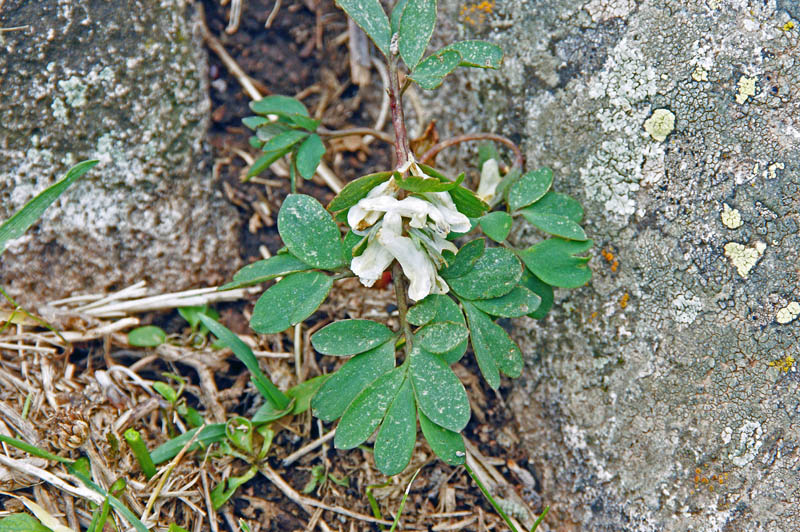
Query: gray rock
x=665, y=395
x=124, y=83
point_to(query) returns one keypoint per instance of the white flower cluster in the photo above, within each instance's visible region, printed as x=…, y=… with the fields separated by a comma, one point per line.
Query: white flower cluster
x=383, y=219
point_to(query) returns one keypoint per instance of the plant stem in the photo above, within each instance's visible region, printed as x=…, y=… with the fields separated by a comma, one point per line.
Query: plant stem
x=402, y=303
x=140, y=451
x=436, y=148
x=398, y=121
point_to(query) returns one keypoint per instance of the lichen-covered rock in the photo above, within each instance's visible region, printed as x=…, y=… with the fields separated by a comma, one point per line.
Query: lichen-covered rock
x=666, y=394
x=123, y=82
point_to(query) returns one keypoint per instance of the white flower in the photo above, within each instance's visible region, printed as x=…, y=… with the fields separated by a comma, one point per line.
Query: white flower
x=490, y=178
x=380, y=216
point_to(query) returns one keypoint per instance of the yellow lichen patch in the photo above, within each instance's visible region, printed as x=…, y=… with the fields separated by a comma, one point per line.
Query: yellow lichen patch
x=609, y=256
x=789, y=26
x=744, y=258
x=623, y=302
x=660, y=124
x=700, y=74
x=788, y=313
x=784, y=364
x=747, y=88
x=731, y=217
x=474, y=13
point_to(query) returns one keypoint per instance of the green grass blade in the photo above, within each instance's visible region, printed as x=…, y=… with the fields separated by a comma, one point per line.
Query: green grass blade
x=403, y=501
x=113, y=501
x=540, y=519
x=16, y=226
x=31, y=449
x=210, y=434
x=245, y=354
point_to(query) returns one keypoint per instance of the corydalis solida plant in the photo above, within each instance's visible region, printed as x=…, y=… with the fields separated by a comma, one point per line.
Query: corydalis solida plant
x=407, y=219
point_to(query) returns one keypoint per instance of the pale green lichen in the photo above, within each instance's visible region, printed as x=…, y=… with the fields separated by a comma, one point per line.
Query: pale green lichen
x=744, y=258
x=730, y=217
x=74, y=91
x=747, y=88
x=788, y=313
x=660, y=124
x=59, y=109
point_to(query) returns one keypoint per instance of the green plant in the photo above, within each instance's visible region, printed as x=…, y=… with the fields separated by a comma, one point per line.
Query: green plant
x=408, y=218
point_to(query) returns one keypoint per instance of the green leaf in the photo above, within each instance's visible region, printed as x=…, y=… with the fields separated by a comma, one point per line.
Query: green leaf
x=531, y=187
x=270, y=130
x=438, y=308
x=290, y=301
x=225, y=489
x=555, y=262
x=465, y=259
x=415, y=30
x=366, y=411
x=355, y=190
x=214, y=433
x=430, y=73
x=175, y=528
x=16, y=226
x=263, y=162
x=310, y=233
x=166, y=391
x=304, y=392
x=496, y=225
x=540, y=288
x=147, y=336
x=246, y=357
x=441, y=337
x=285, y=140
x=519, y=302
x=254, y=142
x=265, y=270
x=494, y=274
x=21, y=523
x=370, y=17
x=254, y=122
x=448, y=445
x=558, y=204
x=356, y=374
x=397, y=13
x=350, y=337
x=555, y=225
x=420, y=185
x=493, y=349
x=479, y=54
x=394, y=444
x=309, y=155
x=468, y=203
x=439, y=393
x=269, y=412
x=280, y=105
x=192, y=314
x=309, y=124
x=354, y=245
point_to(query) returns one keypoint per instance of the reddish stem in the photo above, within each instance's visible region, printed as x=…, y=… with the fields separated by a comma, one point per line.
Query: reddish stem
x=436, y=148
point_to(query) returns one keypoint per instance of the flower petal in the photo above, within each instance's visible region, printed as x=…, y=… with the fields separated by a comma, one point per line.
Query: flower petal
x=416, y=264
x=490, y=178
x=453, y=218
x=370, y=265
